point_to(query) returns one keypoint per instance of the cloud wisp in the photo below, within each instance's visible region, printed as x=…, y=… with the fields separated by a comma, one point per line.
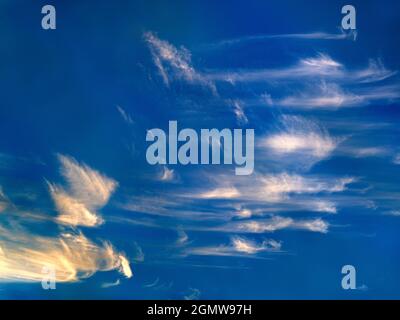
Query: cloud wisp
x=25, y=255
x=73, y=256
x=88, y=190
x=174, y=63
x=305, y=141
x=352, y=35
x=321, y=66
x=239, y=246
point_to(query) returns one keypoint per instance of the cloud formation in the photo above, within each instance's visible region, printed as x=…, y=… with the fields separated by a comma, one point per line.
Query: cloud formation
x=29, y=256
x=277, y=223
x=239, y=246
x=300, y=136
x=278, y=186
x=23, y=257
x=87, y=191
x=300, y=36
x=173, y=63
x=321, y=66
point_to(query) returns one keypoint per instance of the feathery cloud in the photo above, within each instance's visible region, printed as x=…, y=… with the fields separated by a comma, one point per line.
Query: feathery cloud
x=303, y=136
x=174, y=63
x=73, y=257
x=88, y=190
x=276, y=187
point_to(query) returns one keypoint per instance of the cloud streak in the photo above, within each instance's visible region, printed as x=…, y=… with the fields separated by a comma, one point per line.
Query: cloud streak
x=239, y=246
x=299, y=36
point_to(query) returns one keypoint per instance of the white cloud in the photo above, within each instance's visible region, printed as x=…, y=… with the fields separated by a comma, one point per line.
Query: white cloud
x=87, y=191
x=300, y=135
x=321, y=67
x=276, y=187
x=167, y=174
x=322, y=206
x=174, y=63
x=111, y=284
x=239, y=113
x=244, y=245
x=183, y=238
x=244, y=213
x=376, y=71
x=125, y=115
x=306, y=36
x=367, y=152
x=316, y=225
x=239, y=246
x=220, y=193
x=279, y=223
x=325, y=95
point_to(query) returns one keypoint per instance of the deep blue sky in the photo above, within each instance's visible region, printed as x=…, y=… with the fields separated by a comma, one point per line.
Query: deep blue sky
x=111, y=70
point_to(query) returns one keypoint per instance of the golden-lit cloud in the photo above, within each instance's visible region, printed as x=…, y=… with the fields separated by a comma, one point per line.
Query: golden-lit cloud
x=28, y=256
x=23, y=257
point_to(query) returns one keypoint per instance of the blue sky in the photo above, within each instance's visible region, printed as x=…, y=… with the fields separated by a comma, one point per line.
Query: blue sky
x=77, y=192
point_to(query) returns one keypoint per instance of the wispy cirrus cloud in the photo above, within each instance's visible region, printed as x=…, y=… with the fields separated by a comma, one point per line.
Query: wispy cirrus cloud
x=87, y=191
x=239, y=246
x=321, y=66
x=323, y=95
x=300, y=36
x=183, y=238
x=111, y=284
x=274, y=224
x=277, y=187
x=327, y=96
x=174, y=63
x=364, y=152
x=305, y=139
x=24, y=254
x=125, y=115
x=73, y=256
x=220, y=193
